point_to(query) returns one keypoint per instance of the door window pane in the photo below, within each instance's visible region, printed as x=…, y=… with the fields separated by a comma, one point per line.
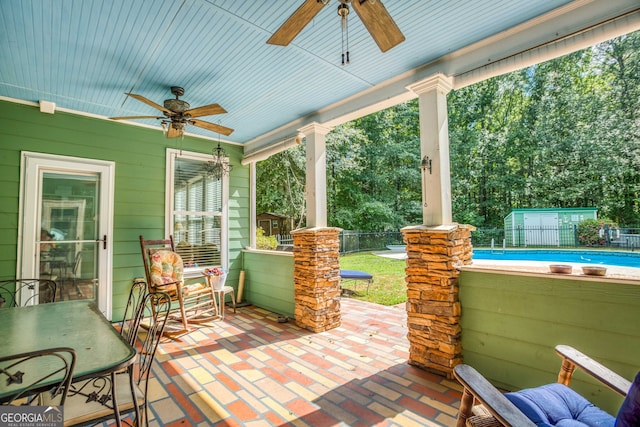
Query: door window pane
x=69, y=225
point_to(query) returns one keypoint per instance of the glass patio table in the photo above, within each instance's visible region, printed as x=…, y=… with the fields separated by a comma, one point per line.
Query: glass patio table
x=79, y=324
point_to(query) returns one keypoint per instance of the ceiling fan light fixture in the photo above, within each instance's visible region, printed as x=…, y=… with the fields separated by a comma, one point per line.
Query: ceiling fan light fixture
x=372, y=13
x=177, y=114
x=343, y=12
x=176, y=105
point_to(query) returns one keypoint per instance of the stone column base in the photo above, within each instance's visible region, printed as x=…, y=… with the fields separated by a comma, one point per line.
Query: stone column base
x=316, y=277
x=434, y=256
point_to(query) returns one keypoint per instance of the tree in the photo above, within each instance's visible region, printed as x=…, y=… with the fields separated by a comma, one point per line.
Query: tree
x=280, y=184
x=563, y=133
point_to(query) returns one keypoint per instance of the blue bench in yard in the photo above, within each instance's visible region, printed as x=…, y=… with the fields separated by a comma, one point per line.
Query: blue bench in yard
x=355, y=275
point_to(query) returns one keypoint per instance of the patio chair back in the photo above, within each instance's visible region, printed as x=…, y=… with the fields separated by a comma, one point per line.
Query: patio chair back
x=22, y=292
x=155, y=313
x=132, y=312
x=24, y=376
x=90, y=401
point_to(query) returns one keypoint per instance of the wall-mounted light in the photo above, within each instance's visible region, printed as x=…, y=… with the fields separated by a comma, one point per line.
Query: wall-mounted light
x=425, y=165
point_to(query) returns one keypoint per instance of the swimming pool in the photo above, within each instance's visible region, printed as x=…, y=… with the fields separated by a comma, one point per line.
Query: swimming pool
x=621, y=259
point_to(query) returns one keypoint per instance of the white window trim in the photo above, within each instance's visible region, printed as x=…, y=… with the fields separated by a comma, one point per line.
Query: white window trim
x=172, y=154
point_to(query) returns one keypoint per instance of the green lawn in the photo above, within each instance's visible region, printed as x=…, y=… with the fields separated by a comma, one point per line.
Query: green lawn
x=388, y=287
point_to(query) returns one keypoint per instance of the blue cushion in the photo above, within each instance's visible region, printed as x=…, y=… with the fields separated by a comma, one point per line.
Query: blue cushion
x=355, y=274
x=629, y=413
x=558, y=405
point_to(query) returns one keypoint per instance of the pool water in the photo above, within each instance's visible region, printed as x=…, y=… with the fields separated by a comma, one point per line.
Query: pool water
x=621, y=259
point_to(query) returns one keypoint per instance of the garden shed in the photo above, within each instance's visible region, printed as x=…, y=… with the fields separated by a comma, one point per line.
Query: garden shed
x=273, y=224
x=544, y=226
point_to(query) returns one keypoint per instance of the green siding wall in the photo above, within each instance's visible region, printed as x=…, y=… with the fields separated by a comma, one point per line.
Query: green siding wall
x=269, y=281
x=511, y=324
x=139, y=154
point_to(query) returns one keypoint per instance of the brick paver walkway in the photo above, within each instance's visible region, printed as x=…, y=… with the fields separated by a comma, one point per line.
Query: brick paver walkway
x=250, y=370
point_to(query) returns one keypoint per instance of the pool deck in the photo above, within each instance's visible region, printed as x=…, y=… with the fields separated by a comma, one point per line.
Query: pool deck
x=542, y=267
x=538, y=267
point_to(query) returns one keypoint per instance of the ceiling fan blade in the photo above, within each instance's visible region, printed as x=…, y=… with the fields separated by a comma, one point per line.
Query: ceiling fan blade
x=148, y=102
x=173, y=132
x=205, y=110
x=212, y=127
x=296, y=22
x=379, y=23
x=136, y=117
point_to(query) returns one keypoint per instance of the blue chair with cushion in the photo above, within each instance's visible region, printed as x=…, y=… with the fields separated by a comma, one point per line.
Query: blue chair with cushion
x=549, y=405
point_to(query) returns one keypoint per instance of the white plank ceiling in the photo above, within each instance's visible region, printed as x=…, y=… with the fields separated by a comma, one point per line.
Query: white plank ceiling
x=85, y=54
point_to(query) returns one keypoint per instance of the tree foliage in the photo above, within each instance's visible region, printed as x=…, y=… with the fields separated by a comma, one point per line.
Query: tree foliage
x=563, y=133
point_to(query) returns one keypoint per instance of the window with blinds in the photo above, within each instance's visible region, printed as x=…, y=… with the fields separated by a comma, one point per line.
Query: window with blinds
x=197, y=211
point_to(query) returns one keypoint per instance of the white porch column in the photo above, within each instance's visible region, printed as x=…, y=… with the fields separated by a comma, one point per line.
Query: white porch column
x=252, y=205
x=316, y=185
x=434, y=146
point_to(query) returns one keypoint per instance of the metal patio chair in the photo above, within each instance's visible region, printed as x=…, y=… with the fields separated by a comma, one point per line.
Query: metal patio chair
x=21, y=292
x=132, y=312
x=90, y=402
x=24, y=377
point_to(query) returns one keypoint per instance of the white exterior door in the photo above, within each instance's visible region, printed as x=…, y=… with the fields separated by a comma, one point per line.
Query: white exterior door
x=66, y=224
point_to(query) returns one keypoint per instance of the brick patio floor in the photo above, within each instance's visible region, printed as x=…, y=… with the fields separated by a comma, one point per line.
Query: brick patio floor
x=250, y=370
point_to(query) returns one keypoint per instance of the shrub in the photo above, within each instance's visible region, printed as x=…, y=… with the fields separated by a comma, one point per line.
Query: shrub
x=265, y=242
x=589, y=231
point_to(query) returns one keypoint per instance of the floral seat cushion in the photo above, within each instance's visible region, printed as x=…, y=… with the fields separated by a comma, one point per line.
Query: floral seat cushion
x=166, y=270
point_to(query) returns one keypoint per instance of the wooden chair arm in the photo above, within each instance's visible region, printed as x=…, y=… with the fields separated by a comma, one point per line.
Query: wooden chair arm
x=572, y=358
x=478, y=388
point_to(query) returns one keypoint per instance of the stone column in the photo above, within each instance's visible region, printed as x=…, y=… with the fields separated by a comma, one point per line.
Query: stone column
x=316, y=277
x=434, y=256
